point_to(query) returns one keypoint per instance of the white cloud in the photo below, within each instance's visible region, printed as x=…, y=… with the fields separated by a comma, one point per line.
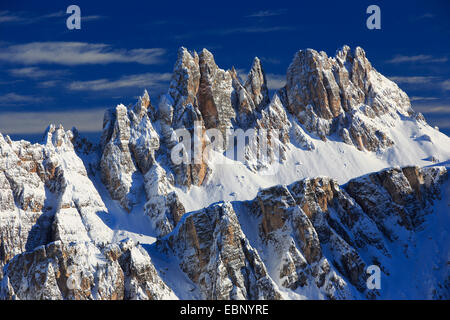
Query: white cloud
x=76, y=53
x=242, y=74
x=237, y=30
x=35, y=72
x=416, y=98
x=48, y=84
x=7, y=16
x=413, y=79
x=266, y=13
x=25, y=18
x=145, y=80
x=91, y=18
x=275, y=81
x=18, y=99
x=421, y=58
x=427, y=15
x=432, y=109
x=436, y=82
x=35, y=122
x=446, y=85
x=442, y=123
x=250, y=29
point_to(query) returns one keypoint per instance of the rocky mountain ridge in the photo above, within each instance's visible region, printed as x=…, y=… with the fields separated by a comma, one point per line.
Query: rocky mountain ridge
x=120, y=220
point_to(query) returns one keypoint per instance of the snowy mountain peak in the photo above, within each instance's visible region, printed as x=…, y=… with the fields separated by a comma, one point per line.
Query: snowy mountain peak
x=295, y=211
x=340, y=101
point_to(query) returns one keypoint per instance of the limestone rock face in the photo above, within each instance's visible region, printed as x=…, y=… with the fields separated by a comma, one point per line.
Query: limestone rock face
x=48, y=184
x=72, y=212
x=32, y=178
x=305, y=236
x=163, y=206
x=343, y=94
x=214, y=94
x=312, y=237
x=22, y=191
x=203, y=95
x=397, y=199
x=216, y=255
x=310, y=81
x=186, y=79
x=129, y=143
x=83, y=271
x=243, y=101
x=51, y=230
x=298, y=238
x=256, y=85
x=274, y=121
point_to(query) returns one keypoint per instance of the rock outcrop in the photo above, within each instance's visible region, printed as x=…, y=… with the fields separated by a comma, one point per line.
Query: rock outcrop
x=341, y=95
x=69, y=208
x=129, y=143
x=50, y=229
x=312, y=238
x=83, y=271
x=342, y=98
x=215, y=254
x=312, y=235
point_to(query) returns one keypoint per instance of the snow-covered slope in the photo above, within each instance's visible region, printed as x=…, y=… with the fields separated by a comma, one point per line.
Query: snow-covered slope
x=265, y=223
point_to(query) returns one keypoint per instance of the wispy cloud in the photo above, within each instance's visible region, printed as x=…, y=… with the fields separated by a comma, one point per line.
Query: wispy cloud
x=270, y=60
x=421, y=58
x=91, y=18
x=442, y=123
x=252, y=29
x=436, y=82
x=436, y=112
x=427, y=15
x=446, y=85
x=7, y=16
x=432, y=109
x=49, y=83
x=145, y=80
x=275, y=81
x=236, y=30
x=35, y=122
x=242, y=74
x=13, y=98
x=26, y=18
x=76, y=53
x=35, y=72
x=267, y=13
x=413, y=79
x=417, y=98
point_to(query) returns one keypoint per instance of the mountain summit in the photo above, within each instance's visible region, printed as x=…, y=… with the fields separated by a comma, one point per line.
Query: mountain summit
x=221, y=191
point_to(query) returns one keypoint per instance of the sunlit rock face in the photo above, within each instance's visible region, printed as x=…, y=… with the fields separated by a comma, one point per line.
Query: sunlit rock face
x=72, y=208
x=310, y=236
x=343, y=94
x=83, y=271
x=342, y=98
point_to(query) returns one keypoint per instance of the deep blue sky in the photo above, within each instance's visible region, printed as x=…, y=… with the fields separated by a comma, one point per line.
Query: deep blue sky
x=128, y=46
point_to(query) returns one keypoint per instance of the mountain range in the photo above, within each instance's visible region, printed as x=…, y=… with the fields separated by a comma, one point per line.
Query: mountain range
x=346, y=176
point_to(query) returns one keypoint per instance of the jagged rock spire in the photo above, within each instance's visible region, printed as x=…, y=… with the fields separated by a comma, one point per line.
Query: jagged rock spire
x=310, y=238
x=256, y=84
x=185, y=79
x=336, y=94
